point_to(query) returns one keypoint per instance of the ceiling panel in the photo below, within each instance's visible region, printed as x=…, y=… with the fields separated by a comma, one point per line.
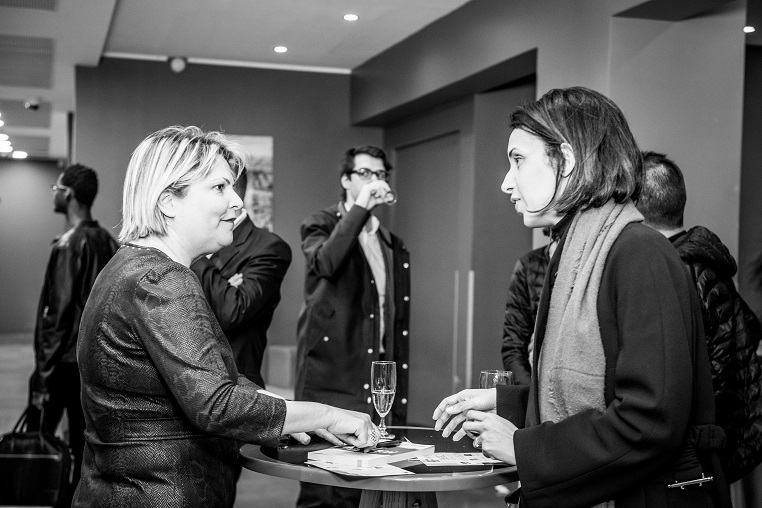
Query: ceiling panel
x=41, y=5
x=26, y=61
x=34, y=146
x=247, y=31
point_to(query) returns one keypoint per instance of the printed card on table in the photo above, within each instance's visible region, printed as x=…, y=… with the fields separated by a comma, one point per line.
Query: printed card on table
x=458, y=459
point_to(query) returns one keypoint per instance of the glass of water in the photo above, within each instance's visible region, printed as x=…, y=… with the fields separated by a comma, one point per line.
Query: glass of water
x=492, y=378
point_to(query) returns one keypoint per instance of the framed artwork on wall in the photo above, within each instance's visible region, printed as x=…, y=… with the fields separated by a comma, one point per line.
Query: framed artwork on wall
x=259, y=166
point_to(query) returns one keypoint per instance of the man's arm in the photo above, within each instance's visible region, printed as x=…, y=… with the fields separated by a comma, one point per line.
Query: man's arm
x=518, y=326
x=262, y=276
x=55, y=314
x=326, y=246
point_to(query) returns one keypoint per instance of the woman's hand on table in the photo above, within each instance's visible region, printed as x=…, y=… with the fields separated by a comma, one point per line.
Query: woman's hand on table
x=455, y=407
x=350, y=427
x=494, y=435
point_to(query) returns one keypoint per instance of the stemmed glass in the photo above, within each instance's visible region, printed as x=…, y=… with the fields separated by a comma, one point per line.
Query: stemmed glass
x=492, y=378
x=383, y=385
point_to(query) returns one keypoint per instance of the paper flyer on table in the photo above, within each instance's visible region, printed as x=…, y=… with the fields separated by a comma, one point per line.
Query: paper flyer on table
x=457, y=459
x=346, y=469
x=373, y=457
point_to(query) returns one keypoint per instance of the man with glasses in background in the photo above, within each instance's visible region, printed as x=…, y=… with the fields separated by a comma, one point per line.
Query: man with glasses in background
x=76, y=259
x=357, y=304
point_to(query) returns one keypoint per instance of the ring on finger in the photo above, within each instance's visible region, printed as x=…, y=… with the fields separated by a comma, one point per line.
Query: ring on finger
x=477, y=443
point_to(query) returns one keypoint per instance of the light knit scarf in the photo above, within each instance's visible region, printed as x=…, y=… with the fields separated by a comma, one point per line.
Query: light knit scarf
x=572, y=365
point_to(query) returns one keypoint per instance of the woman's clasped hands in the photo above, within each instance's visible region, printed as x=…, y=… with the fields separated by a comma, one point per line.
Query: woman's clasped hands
x=474, y=411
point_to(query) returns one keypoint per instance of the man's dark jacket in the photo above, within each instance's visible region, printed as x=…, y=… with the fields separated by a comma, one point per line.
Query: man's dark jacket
x=338, y=329
x=77, y=258
x=245, y=312
x=732, y=336
x=521, y=311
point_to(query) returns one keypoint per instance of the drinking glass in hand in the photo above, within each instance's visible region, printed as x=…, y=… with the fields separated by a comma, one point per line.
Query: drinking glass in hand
x=492, y=378
x=390, y=197
x=383, y=384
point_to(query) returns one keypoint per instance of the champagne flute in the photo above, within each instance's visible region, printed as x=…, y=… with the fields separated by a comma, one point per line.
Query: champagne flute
x=383, y=385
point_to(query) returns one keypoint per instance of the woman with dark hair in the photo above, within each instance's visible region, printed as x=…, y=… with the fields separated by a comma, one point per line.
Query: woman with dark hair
x=620, y=406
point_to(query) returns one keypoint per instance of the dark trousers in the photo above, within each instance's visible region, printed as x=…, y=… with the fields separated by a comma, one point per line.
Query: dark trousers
x=313, y=495
x=63, y=388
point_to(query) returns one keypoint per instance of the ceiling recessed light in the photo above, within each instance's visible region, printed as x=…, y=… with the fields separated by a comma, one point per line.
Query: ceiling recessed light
x=6, y=149
x=351, y=17
x=18, y=154
x=178, y=64
x=280, y=49
x=3, y=137
x=749, y=29
x=2, y=123
x=5, y=142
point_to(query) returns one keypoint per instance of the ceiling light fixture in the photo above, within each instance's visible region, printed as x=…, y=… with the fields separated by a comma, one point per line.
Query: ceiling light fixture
x=18, y=154
x=280, y=49
x=3, y=137
x=749, y=29
x=178, y=64
x=2, y=123
x=6, y=149
x=351, y=17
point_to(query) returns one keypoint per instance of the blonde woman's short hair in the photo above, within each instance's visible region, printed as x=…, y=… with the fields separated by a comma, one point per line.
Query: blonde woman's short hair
x=170, y=160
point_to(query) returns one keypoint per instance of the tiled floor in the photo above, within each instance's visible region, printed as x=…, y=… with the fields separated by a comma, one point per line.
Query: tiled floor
x=254, y=489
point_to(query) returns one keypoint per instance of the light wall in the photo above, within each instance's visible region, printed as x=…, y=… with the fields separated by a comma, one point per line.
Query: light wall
x=679, y=83
x=681, y=88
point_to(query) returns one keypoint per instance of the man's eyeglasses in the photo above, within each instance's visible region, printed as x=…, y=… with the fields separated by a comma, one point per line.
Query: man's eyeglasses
x=366, y=173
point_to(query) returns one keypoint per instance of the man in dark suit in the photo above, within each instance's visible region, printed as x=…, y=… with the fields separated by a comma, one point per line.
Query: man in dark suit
x=242, y=284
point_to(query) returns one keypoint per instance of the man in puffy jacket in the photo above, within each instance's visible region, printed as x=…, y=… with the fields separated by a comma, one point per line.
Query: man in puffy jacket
x=521, y=310
x=732, y=329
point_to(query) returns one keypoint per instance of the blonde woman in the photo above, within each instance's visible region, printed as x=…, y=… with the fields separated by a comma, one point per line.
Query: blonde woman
x=164, y=404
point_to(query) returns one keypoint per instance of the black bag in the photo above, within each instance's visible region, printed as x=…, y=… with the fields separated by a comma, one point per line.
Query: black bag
x=35, y=467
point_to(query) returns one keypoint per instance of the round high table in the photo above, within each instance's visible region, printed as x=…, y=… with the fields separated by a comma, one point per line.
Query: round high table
x=416, y=490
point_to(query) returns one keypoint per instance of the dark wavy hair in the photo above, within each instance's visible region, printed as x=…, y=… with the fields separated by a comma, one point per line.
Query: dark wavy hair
x=348, y=161
x=83, y=181
x=608, y=162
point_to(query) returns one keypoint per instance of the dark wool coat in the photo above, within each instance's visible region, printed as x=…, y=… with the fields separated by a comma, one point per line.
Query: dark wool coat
x=732, y=336
x=520, y=312
x=338, y=329
x=164, y=404
x=245, y=312
x=658, y=393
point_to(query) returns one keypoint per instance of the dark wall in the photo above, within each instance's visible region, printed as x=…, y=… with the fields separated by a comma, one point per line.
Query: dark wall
x=750, y=233
x=500, y=237
x=27, y=228
x=122, y=101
